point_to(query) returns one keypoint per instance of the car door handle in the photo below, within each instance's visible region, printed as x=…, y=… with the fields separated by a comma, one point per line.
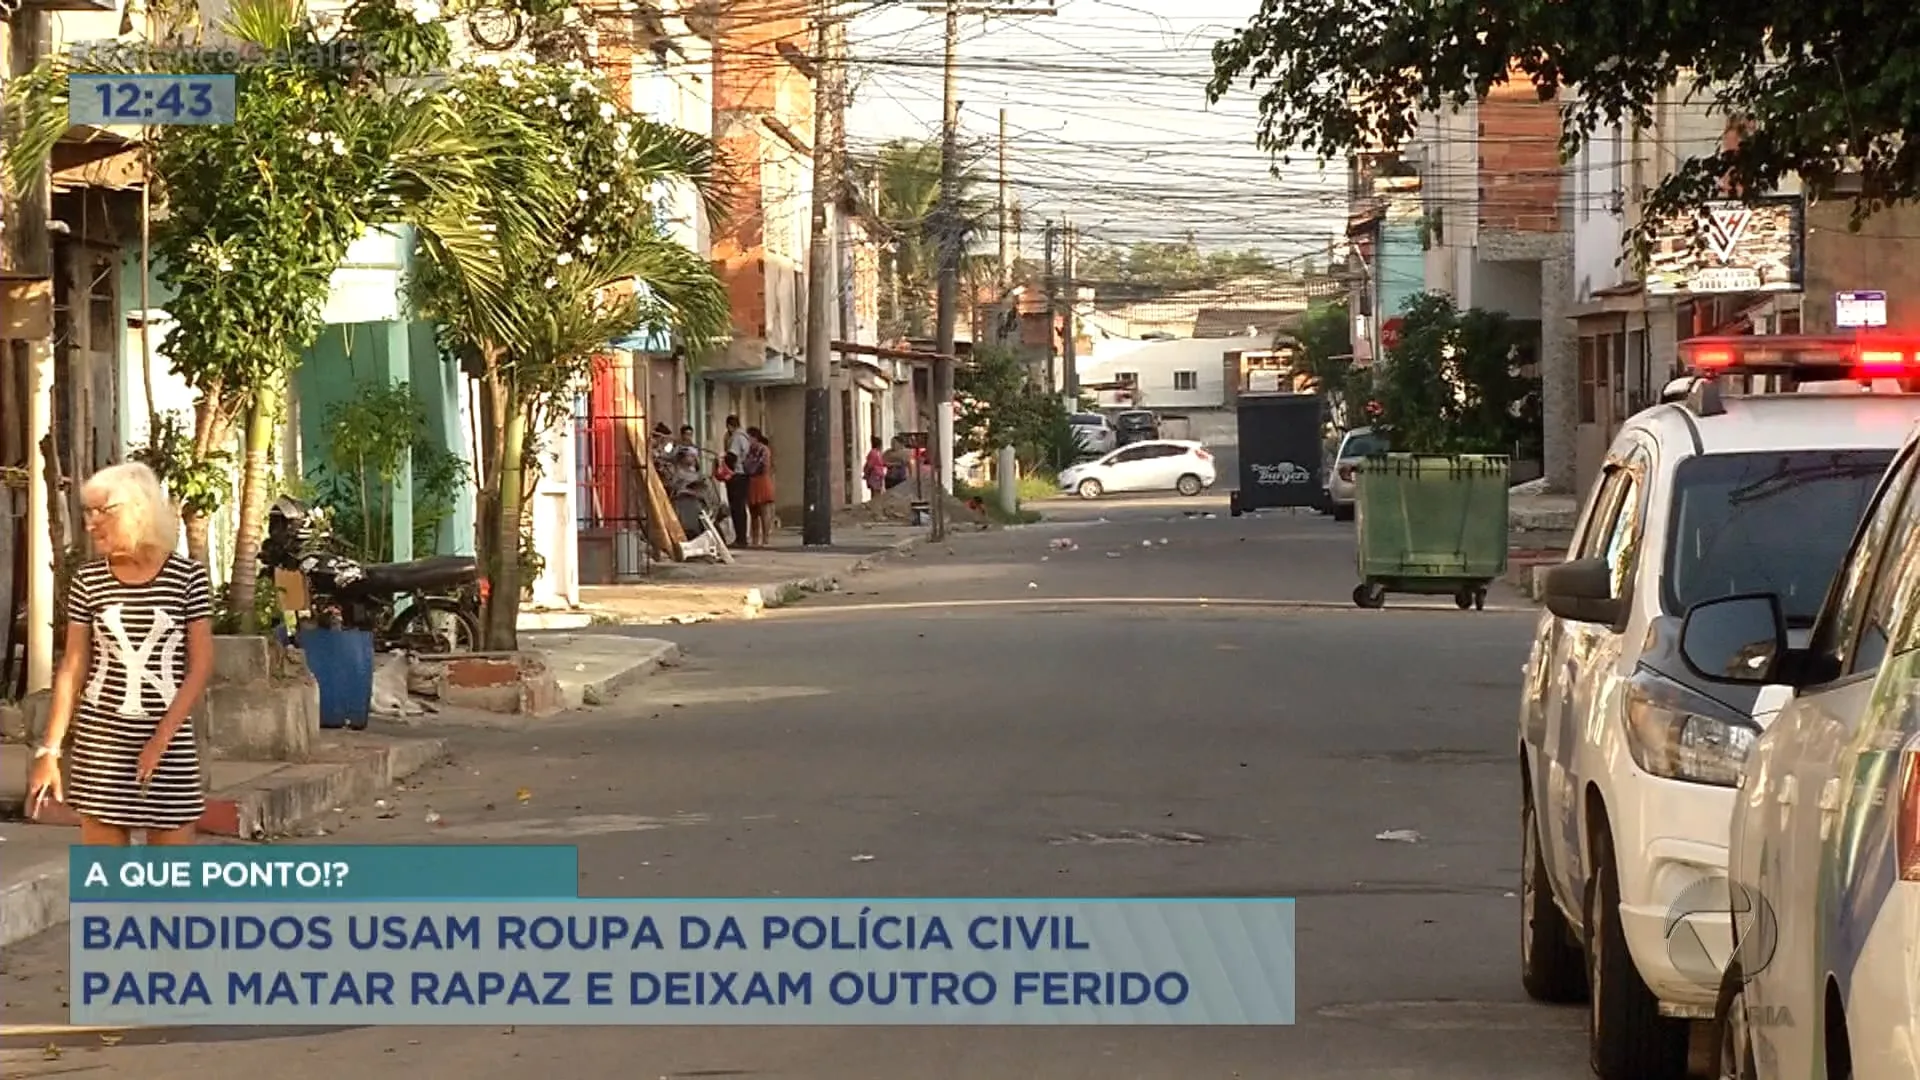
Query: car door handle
x=1788, y=789
x=1830, y=795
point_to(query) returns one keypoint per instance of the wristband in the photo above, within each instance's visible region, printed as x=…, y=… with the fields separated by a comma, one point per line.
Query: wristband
x=45, y=751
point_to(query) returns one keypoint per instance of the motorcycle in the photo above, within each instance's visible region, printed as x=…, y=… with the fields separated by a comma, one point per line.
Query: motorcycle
x=424, y=606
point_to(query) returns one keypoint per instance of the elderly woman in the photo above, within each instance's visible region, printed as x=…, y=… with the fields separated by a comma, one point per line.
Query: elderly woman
x=139, y=654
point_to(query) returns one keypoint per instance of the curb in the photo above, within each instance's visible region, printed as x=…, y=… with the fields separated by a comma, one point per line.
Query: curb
x=658, y=654
x=788, y=592
x=37, y=901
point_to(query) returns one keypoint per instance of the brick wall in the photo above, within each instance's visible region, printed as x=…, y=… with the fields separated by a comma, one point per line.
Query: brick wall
x=1519, y=151
x=752, y=82
x=1884, y=255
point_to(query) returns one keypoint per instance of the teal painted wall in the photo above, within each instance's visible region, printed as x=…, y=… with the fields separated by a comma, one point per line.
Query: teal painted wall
x=436, y=383
x=1402, y=266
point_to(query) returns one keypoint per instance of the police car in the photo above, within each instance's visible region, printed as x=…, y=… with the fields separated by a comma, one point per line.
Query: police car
x=1749, y=477
x=1824, y=873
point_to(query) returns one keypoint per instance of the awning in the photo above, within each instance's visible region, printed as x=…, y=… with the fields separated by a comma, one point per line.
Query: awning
x=97, y=158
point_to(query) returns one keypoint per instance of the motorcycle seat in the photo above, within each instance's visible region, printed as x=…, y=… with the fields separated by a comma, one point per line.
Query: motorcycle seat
x=435, y=572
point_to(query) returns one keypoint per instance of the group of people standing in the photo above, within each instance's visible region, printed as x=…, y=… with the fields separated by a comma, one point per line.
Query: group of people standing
x=746, y=469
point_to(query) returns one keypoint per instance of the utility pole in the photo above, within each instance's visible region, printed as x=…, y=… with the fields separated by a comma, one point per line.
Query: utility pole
x=1006, y=212
x=1053, y=304
x=948, y=232
x=1069, y=365
x=817, y=517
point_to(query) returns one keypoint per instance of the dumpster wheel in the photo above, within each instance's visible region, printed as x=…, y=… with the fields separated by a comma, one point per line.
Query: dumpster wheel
x=1471, y=596
x=1369, y=595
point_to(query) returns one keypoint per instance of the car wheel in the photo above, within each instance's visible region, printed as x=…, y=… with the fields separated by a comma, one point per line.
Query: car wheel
x=1189, y=485
x=1551, y=966
x=1627, y=1038
x=1090, y=489
x=1343, y=513
x=1733, y=1058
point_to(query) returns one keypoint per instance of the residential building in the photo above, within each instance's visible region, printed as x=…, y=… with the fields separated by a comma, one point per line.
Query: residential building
x=1494, y=236
x=763, y=131
x=1770, y=265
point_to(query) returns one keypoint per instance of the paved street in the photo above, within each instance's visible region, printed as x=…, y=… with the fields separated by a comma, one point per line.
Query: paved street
x=995, y=717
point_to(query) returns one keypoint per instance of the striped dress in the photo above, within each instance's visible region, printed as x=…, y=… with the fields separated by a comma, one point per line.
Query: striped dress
x=139, y=658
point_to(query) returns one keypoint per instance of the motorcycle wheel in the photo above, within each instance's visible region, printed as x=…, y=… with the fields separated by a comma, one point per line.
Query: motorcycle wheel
x=437, y=625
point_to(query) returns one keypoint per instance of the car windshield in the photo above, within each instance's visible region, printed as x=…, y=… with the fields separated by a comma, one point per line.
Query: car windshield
x=1766, y=523
x=1136, y=420
x=1086, y=419
x=1361, y=444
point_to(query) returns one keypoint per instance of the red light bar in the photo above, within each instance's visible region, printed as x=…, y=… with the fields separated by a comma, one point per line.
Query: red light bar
x=1846, y=356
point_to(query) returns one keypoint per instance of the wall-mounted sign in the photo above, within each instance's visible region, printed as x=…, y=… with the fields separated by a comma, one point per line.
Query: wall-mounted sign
x=1731, y=247
x=1859, y=310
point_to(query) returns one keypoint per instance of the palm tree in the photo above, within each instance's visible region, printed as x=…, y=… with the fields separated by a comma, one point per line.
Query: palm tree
x=601, y=266
x=906, y=177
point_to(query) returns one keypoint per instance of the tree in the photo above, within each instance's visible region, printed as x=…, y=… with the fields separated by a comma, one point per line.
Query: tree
x=906, y=173
x=261, y=211
x=1169, y=267
x=1818, y=92
x=1455, y=382
x=596, y=265
x=1326, y=354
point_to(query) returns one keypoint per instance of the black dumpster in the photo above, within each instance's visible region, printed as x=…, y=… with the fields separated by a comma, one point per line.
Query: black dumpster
x=1280, y=451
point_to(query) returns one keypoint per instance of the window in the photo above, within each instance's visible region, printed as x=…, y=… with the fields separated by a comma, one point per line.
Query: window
x=1186, y=380
x=1588, y=406
x=1764, y=522
x=1841, y=618
x=1622, y=549
x=1603, y=509
x=1127, y=378
x=1133, y=453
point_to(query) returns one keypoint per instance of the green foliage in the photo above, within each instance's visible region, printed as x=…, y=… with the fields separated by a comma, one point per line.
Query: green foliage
x=1160, y=266
x=197, y=483
x=1326, y=353
x=371, y=437
x=907, y=175
x=996, y=405
x=568, y=268
x=1454, y=383
x=1820, y=91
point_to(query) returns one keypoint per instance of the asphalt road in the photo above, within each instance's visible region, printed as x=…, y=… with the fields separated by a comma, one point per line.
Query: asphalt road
x=980, y=737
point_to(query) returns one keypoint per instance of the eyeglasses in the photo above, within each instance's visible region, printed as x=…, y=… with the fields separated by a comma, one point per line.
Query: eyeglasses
x=102, y=511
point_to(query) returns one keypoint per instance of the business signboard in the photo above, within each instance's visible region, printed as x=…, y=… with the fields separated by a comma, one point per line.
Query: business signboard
x=1731, y=247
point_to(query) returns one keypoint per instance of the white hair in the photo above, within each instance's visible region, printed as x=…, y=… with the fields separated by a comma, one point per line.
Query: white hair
x=142, y=504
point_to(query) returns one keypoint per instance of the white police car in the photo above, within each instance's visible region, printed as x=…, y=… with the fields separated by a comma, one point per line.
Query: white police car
x=1629, y=759
x=1824, y=871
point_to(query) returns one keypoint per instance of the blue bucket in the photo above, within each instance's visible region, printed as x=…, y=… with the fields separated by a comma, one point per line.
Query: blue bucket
x=342, y=663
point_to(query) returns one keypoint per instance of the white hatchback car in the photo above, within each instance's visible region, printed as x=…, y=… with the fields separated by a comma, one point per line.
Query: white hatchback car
x=1628, y=762
x=1824, y=872
x=1158, y=465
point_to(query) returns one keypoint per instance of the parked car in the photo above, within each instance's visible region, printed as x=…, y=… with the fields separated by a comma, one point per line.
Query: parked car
x=1159, y=465
x=1628, y=761
x=1136, y=425
x=1097, y=436
x=1824, y=864
x=1355, y=445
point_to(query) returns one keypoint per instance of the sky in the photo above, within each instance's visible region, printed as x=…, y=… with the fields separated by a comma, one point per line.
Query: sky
x=1107, y=119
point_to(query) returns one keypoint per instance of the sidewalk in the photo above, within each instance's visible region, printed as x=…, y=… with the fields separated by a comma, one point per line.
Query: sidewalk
x=1540, y=530
x=250, y=801
x=757, y=580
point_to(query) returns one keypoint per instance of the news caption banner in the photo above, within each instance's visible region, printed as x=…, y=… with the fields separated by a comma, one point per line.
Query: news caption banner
x=438, y=935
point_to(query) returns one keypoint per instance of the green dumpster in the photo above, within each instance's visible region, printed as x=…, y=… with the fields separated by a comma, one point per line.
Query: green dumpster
x=1432, y=525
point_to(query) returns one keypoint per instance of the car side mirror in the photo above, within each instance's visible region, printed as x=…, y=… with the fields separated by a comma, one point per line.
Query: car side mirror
x=1582, y=590
x=1735, y=639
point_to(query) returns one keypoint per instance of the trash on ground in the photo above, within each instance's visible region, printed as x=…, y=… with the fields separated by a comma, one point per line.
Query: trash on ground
x=1113, y=554
x=1400, y=836
x=1033, y=584
x=433, y=817
x=1064, y=543
x=863, y=858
